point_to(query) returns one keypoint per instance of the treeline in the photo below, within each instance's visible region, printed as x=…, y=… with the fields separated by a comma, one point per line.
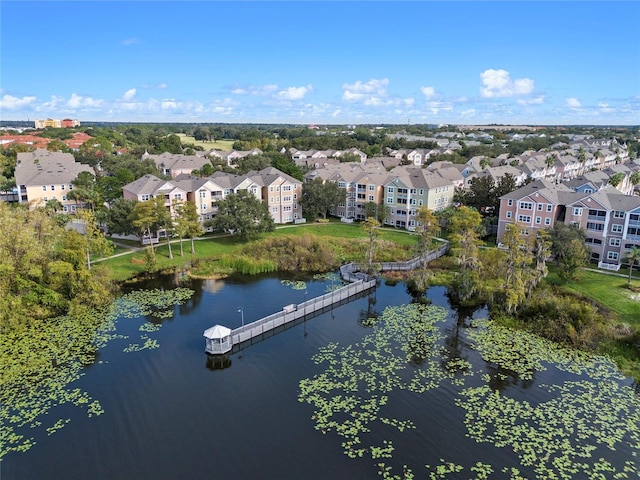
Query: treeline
x=44, y=265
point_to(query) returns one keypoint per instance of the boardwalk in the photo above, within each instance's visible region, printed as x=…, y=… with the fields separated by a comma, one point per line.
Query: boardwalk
x=360, y=284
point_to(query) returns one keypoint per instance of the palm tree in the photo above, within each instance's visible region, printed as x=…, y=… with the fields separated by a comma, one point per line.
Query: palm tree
x=633, y=256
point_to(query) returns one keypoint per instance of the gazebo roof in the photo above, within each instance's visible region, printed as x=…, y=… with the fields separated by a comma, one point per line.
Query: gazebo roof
x=217, y=331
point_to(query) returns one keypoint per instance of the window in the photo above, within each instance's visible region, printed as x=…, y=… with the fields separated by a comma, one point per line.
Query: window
x=274, y=209
x=526, y=205
x=62, y=187
x=616, y=228
x=389, y=189
x=538, y=220
x=524, y=218
x=612, y=255
x=71, y=188
x=389, y=199
x=286, y=188
x=177, y=196
x=510, y=202
x=64, y=197
x=342, y=184
x=144, y=197
x=203, y=194
x=598, y=227
x=203, y=206
x=286, y=208
x=46, y=199
x=593, y=241
x=271, y=188
x=278, y=188
x=421, y=192
x=540, y=206
x=577, y=211
x=508, y=214
x=44, y=188
x=371, y=198
x=618, y=214
x=372, y=188
x=614, y=242
x=547, y=221
x=549, y=207
x=286, y=199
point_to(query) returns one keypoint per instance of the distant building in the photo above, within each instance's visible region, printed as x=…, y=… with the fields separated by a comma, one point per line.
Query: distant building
x=50, y=122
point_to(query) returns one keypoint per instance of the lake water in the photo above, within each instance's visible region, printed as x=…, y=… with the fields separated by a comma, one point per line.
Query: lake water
x=172, y=413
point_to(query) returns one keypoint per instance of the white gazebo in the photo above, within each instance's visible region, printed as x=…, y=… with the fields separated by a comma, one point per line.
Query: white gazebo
x=218, y=340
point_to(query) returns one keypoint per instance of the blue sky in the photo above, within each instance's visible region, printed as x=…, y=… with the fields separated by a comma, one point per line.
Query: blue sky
x=328, y=62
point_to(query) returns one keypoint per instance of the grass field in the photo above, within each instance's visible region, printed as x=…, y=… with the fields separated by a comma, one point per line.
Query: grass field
x=127, y=266
x=610, y=291
x=223, y=145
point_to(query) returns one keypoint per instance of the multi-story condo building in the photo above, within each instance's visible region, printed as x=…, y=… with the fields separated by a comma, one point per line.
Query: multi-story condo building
x=279, y=191
x=610, y=219
x=42, y=176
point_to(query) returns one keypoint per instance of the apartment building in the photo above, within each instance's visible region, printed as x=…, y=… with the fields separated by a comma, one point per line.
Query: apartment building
x=281, y=192
x=42, y=176
x=610, y=219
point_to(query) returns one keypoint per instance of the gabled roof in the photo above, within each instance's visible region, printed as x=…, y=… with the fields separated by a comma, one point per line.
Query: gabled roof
x=148, y=185
x=42, y=167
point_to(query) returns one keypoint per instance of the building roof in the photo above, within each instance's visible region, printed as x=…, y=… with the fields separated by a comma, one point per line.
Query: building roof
x=42, y=167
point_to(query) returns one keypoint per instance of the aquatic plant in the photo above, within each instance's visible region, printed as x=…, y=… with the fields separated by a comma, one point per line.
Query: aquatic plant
x=570, y=433
x=39, y=362
x=297, y=285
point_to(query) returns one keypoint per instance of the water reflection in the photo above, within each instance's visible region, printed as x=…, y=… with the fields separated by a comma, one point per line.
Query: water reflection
x=218, y=362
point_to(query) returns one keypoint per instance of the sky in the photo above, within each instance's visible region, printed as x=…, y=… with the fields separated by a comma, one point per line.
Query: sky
x=324, y=62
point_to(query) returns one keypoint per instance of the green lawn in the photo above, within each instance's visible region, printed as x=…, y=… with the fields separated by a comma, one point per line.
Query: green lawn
x=128, y=266
x=610, y=291
x=223, y=145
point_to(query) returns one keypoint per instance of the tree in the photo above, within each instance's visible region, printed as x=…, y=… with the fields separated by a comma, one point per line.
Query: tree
x=635, y=178
x=372, y=209
x=371, y=226
x=187, y=223
x=517, y=266
x=561, y=235
x=632, y=257
x=616, y=179
x=465, y=231
x=428, y=227
x=541, y=251
x=243, y=215
x=575, y=256
x=319, y=196
x=119, y=217
x=145, y=217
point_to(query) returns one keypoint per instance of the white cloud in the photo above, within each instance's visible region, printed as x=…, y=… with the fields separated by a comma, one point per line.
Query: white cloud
x=498, y=83
x=471, y=112
x=532, y=101
x=604, y=107
x=573, y=103
x=255, y=90
x=129, y=41
x=428, y=92
x=294, y=93
x=129, y=94
x=10, y=102
x=78, y=101
x=336, y=113
x=160, y=86
x=169, y=103
x=369, y=91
